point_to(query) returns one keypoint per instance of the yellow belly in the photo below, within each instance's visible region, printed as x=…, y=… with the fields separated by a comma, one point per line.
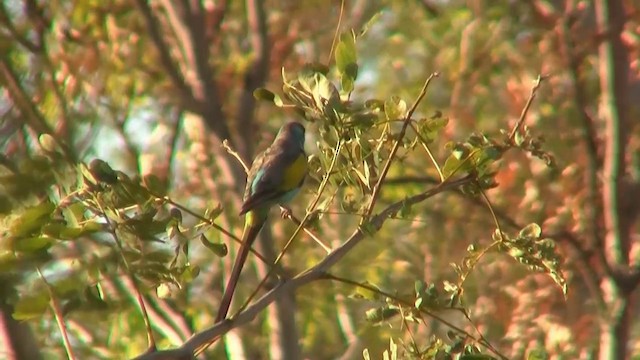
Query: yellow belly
x=294, y=174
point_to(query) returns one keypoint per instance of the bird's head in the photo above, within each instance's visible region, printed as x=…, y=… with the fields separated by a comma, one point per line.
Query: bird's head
x=293, y=131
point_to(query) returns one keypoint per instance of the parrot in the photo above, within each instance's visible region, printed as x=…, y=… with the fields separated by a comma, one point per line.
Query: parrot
x=275, y=178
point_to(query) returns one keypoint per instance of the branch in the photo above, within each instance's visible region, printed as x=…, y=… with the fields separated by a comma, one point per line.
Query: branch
x=315, y=273
x=58, y=315
x=165, y=58
x=614, y=110
x=187, y=20
x=525, y=110
x=28, y=108
x=407, y=120
x=256, y=76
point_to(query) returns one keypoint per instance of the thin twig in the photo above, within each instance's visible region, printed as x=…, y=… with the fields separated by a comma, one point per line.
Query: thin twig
x=227, y=146
x=57, y=313
x=383, y=174
x=335, y=34
x=313, y=236
x=525, y=110
x=134, y=281
x=425, y=145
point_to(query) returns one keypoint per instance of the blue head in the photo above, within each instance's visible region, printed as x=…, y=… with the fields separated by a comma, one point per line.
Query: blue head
x=292, y=131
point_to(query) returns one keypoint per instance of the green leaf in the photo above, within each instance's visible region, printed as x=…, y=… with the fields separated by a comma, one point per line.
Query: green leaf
x=32, y=220
x=218, y=249
x=395, y=108
x=454, y=165
x=48, y=143
x=30, y=307
x=189, y=274
x=369, y=23
x=346, y=52
x=32, y=244
x=374, y=104
x=263, y=94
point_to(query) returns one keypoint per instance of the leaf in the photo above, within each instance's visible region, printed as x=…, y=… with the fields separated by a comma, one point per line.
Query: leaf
x=365, y=28
x=48, y=143
x=32, y=244
x=346, y=53
x=454, y=165
x=32, y=220
x=30, y=307
x=263, y=94
x=395, y=108
x=218, y=249
x=531, y=231
x=189, y=274
x=374, y=104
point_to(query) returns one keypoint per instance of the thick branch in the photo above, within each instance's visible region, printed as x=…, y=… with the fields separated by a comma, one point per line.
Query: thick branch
x=614, y=72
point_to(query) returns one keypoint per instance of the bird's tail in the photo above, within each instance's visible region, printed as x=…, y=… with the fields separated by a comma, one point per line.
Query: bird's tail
x=251, y=230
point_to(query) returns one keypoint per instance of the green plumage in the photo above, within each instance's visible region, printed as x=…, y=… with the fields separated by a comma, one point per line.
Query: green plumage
x=275, y=177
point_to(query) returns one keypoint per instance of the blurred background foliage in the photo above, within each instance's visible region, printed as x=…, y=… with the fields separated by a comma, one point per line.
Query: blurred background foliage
x=153, y=88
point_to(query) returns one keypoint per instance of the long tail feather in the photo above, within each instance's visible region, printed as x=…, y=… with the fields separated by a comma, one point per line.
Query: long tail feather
x=250, y=233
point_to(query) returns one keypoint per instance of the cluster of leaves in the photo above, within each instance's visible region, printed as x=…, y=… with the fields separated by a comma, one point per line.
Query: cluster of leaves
x=123, y=222
x=529, y=248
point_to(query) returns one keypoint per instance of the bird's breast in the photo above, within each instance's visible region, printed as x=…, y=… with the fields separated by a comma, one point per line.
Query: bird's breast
x=295, y=173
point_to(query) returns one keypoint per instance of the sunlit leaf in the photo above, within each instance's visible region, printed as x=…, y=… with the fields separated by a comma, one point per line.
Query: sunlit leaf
x=532, y=230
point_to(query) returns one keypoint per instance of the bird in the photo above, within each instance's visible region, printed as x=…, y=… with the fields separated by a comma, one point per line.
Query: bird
x=275, y=177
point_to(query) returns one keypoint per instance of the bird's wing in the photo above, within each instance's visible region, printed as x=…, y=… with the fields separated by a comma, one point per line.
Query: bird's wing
x=279, y=170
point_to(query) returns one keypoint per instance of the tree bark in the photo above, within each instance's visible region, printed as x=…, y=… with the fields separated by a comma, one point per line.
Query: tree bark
x=614, y=112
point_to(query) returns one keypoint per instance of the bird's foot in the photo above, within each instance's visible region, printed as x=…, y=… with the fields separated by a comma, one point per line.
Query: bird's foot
x=285, y=212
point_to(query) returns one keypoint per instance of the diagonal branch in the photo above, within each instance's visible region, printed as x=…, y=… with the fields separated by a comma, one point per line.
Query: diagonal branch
x=28, y=108
x=315, y=273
